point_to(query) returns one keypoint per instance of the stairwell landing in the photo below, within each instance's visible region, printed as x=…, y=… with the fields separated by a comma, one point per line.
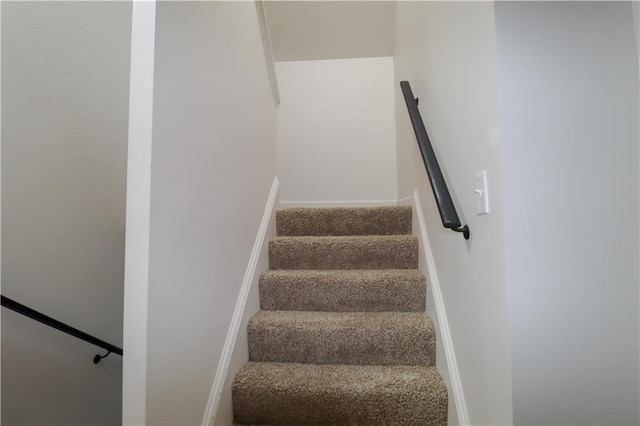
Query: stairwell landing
x=342, y=337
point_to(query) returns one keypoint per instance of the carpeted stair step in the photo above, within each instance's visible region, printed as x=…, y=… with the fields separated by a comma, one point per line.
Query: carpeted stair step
x=376, y=338
x=337, y=395
x=362, y=252
x=389, y=220
x=402, y=290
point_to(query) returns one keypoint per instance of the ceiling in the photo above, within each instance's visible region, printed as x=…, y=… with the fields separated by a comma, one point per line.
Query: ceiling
x=323, y=29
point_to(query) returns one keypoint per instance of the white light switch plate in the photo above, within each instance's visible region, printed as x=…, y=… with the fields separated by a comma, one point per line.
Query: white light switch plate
x=481, y=190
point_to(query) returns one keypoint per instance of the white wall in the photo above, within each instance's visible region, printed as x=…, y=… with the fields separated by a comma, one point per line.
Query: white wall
x=336, y=130
x=136, y=278
x=447, y=51
x=65, y=74
x=214, y=141
x=247, y=306
x=569, y=113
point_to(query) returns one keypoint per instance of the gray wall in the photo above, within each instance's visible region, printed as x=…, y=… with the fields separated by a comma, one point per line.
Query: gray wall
x=65, y=76
x=569, y=113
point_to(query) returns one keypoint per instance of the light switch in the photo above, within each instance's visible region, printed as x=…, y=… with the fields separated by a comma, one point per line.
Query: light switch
x=481, y=189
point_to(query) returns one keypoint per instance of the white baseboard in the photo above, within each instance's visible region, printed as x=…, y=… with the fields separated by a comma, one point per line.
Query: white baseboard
x=343, y=203
x=405, y=201
x=445, y=333
x=238, y=313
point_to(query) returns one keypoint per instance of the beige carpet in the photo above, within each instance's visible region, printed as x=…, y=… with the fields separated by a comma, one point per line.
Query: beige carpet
x=342, y=337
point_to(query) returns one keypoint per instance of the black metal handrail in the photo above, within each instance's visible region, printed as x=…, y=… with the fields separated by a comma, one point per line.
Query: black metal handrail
x=448, y=212
x=47, y=320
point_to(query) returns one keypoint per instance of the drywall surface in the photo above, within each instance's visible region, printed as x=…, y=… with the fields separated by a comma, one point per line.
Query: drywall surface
x=0, y=208
x=136, y=272
x=569, y=113
x=240, y=353
x=268, y=50
x=315, y=30
x=214, y=160
x=447, y=51
x=336, y=130
x=636, y=21
x=65, y=75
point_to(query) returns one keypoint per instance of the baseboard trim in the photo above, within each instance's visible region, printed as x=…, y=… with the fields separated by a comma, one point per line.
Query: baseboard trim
x=344, y=203
x=405, y=201
x=445, y=333
x=234, y=327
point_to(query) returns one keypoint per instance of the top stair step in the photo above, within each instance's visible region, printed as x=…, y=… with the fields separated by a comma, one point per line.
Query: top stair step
x=343, y=221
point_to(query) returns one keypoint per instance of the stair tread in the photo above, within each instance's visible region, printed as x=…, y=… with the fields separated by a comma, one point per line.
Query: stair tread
x=359, y=320
x=357, y=338
x=337, y=376
x=333, y=238
x=354, y=290
x=383, y=220
x=344, y=274
x=307, y=394
x=344, y=252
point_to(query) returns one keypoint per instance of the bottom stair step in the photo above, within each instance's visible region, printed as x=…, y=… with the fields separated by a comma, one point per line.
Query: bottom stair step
x=267, y=393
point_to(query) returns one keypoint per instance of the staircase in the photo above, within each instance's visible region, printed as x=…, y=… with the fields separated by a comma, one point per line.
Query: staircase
x=342, y=337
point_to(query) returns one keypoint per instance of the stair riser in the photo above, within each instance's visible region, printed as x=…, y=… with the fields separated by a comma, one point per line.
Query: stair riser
x=344, y=221
x=358, y=296
x=392, y=346
x=328, y=253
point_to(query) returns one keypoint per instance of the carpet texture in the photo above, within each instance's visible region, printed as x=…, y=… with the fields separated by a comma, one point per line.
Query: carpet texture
x=343, y=221
x=325, y=395
x=383, y=338
x=342, y=337
x=401, y=290
x=353, y=252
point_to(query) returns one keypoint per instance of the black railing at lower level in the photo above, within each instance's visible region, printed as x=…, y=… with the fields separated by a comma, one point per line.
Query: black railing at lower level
x=448, y=212
x=47, y=320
